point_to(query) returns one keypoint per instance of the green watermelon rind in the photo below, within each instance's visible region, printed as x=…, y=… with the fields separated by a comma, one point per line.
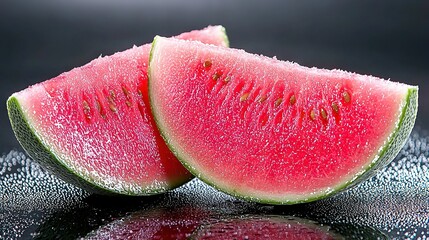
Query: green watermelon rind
x=40, y=152
x=396, y=140
x=224, y=36
x=386, y=153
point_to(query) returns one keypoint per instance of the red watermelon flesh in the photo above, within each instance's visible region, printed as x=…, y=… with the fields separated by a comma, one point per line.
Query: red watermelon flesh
x=273, y=131
x=93, y=125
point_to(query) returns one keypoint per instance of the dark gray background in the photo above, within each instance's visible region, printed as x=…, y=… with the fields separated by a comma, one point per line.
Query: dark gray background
x=389, y=39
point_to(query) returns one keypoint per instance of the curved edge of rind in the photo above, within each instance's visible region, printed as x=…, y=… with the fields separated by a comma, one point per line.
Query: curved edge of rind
x=387, y=153
x=35, y=148
x=224, y=36
x=160, y=126
x=397, y=139
x=152, y=49
x=163, y=131
x=39, y=152
x=171, y=146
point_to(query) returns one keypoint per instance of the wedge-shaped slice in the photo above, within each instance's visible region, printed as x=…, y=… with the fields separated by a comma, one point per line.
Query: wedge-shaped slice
x=273, y=131
x=92, y=126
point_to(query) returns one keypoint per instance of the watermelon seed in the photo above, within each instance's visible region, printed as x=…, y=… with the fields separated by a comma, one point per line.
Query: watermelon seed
x=142, y=112
x=323, y=114
x=111, y=99
x=244, y=97
x=113, y=107
x=112, y=95
x=227, y=79
x=346, y=96
x=86, y=109
x=262, y=98
x=216, y=76
x=207, y=64
x=126, y=92
x=127, y=96
x=139, y=92
x=292, y=99
x=99, y=108
x=312, y=114
x=278, y=102
x=335, y=107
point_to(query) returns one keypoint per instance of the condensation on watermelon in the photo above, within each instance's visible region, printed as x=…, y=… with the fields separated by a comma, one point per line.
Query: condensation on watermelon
x=273, y=131
x=93, y=127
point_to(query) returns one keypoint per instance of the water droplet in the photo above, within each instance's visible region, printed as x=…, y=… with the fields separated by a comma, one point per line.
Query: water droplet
x=29, y=195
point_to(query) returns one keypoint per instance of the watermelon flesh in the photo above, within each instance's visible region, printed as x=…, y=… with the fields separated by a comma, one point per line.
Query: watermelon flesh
x=273, y=131
x=93, y=127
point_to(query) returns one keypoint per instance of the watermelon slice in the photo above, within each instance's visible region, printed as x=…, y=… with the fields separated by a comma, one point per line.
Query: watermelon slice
x=92, y=126
x=272, y=131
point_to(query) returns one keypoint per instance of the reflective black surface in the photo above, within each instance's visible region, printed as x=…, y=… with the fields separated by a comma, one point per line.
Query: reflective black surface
x=394, y=203
x=41, y=39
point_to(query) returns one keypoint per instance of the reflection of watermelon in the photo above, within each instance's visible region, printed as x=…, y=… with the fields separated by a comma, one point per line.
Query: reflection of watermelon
x=273, y=131
x=264, y=227
x=160, y=223
x=93, y=127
